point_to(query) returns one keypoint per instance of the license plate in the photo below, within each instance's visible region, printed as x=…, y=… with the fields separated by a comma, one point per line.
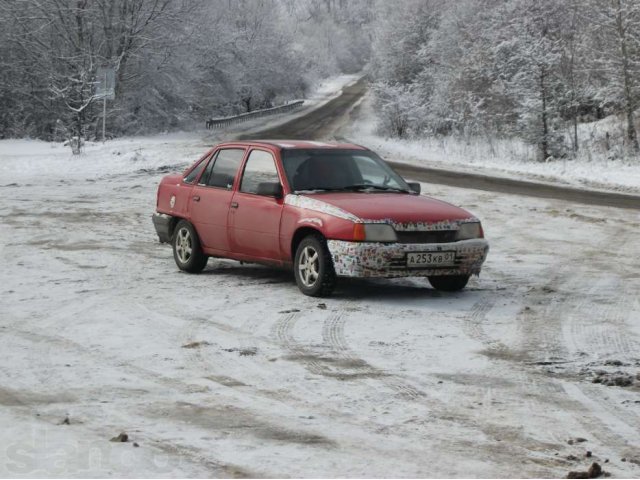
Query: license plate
x=431, y=259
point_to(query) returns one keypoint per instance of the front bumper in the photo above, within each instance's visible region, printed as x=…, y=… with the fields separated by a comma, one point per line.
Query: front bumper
x=162, y=223
x=372, y=259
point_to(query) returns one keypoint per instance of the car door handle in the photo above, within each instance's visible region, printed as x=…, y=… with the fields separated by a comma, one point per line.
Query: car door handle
x=196, y=198
x=234, y=205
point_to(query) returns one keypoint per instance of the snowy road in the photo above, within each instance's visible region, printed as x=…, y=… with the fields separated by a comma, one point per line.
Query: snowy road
x=233, y=372
x=518, y=186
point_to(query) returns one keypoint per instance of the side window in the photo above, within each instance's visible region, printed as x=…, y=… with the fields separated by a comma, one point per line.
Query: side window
x=225, y=168
x=260, y=168
x=193, y=174
x=207, y=173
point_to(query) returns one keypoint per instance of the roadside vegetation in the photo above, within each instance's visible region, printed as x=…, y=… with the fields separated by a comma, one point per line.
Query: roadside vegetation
x=176, y=62
x=533, y=71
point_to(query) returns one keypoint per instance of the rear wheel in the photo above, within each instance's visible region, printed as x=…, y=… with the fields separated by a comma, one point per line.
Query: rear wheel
x=187, y=251
x=449, y=283
x=313, y=267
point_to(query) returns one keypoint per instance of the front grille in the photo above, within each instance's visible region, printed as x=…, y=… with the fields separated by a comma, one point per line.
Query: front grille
x=434, y=236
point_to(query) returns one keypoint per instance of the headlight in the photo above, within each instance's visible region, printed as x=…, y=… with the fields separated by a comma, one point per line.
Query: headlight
x=379, y=232
x=374, y=232
x=468, y=231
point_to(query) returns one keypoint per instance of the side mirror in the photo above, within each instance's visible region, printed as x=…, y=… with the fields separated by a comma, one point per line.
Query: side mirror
x=415, y=187
x=270, y=189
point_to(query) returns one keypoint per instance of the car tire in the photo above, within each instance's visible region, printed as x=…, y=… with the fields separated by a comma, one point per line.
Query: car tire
x=187, y=251
x=449, y=283
x=313, y=267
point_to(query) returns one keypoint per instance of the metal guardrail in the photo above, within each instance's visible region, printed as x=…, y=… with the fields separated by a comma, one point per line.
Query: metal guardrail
x=243, y=117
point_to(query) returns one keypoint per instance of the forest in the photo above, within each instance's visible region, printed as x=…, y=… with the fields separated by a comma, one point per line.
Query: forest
x=533, y=70
x=502, y=68
x=176, y=62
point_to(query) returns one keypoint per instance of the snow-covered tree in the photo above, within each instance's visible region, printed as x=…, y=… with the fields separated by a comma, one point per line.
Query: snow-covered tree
x=528, y=53
x=615, y=30
x=176, y=61
x=399, y=37
x=507, y=67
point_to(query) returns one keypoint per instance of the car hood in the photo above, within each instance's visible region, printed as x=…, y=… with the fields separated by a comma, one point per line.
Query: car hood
x=394, y=207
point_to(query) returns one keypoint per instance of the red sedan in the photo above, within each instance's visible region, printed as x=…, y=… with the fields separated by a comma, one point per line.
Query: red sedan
x=327, y=210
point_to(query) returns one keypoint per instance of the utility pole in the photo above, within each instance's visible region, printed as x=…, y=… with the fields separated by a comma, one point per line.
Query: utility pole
x=104, y=112
x=105, y=89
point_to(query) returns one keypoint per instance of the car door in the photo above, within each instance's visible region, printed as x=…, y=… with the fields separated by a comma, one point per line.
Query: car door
x=254, y=219
x=174, y=196
x=211, y=197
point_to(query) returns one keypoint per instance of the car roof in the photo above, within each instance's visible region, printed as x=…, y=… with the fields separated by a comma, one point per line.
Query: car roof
x=297, y=144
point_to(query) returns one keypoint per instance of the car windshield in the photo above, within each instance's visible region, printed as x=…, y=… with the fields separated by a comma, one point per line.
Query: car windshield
x=318, y=170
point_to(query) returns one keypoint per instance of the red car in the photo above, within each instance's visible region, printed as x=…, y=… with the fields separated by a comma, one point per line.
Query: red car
x=327, y=210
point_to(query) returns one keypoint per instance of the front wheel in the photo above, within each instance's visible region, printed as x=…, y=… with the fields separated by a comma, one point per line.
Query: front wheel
x=187, y=251
x=449, y=283
x=313, y=267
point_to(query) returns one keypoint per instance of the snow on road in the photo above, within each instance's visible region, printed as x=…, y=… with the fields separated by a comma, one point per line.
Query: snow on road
x=233, y=372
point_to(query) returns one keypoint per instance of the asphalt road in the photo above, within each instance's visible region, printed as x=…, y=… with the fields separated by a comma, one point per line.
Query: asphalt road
x=323, y=122
x=518, y=187
x=319, y=123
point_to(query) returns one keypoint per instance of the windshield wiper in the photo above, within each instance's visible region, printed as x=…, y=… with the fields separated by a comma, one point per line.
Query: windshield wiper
x=317, y=190
x=356, y=187
x=384, y=188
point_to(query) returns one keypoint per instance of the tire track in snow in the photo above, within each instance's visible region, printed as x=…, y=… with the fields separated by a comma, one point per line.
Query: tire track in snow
x=604, y=337
x=577, y=336
x=282, y=331
x=113, y=361
x=335, y=362
x=540, y=323
x=473, y=323
x=568, y=289
x=617, y=436
x=605, y=334
x=334, y=337
x=304, y=397
x=610, y=332
x=281, y=334
x=530, y=390
x=597, y=325
x=341, y=363
x=545, y=333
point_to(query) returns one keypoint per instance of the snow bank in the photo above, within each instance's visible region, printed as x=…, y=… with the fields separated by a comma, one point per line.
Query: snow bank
x=329, y=87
